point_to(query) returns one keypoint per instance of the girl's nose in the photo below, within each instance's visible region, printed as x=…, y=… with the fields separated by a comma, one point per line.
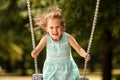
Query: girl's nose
x=55, y=29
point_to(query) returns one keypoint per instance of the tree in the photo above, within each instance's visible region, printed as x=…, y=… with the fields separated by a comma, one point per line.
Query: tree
x=110, y=24
x=15, y=35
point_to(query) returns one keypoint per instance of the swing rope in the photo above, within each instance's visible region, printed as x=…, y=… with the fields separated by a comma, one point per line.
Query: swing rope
x=91, y=35
x=90, y=40
x=32, y=34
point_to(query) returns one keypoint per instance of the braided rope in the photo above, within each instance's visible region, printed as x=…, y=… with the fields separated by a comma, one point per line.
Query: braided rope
x=32, y=33
x=92, y=33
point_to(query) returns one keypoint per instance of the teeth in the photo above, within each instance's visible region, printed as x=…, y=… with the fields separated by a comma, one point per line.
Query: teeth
x=55, y=34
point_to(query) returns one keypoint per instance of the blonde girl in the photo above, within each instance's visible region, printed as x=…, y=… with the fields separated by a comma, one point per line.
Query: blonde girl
x=59, y=64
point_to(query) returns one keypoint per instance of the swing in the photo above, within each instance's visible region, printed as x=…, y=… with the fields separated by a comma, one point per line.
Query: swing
x=38, y=76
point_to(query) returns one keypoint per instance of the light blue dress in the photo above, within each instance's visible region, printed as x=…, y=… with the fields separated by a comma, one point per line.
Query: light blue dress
x=59, y=64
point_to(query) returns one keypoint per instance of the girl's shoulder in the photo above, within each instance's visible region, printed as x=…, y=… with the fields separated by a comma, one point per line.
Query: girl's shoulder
x=44, y=38
x=68, y=35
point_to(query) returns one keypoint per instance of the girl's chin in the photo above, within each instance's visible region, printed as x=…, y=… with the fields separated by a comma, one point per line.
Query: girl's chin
x=56, y=38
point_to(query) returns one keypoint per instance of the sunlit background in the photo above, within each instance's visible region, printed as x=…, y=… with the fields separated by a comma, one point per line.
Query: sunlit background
x=16, y=62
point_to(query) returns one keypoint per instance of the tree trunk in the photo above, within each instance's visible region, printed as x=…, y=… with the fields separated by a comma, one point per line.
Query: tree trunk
x=8, y=67
x=107, y=56
x=23, y=67
x=107, y=65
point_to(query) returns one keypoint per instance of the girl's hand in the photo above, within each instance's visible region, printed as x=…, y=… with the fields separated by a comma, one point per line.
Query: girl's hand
x=34, y=54
x=87, y=57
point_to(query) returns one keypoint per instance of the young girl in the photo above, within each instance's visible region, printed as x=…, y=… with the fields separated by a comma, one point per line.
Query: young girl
x=59, y=64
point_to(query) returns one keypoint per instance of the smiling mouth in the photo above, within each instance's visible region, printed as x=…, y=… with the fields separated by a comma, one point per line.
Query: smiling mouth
x=55, y=34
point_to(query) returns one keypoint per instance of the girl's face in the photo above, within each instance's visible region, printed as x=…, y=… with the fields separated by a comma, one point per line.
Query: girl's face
x=55, y=29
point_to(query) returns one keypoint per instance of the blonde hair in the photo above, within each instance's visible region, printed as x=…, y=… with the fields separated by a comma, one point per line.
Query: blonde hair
x=42, y=19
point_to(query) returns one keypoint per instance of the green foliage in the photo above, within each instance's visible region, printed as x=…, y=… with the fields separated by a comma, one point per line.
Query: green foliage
x=14, y=34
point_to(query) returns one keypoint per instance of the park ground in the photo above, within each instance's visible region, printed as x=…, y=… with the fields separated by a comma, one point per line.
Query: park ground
x=30, y=78
x=91, y=76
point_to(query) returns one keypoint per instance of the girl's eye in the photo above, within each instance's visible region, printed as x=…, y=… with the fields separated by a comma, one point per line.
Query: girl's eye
x=58, y=27
x=51, y=27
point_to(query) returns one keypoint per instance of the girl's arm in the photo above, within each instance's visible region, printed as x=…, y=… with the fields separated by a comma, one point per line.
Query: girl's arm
x=39, y=47
x=77, y=47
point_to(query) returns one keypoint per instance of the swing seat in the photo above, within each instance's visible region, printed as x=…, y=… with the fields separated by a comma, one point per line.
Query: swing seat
x=82, y=78
x=40, y=77
x=37, y=77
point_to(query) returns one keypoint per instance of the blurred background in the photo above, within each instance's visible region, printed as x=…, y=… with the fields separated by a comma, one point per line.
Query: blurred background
x=16, y=62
